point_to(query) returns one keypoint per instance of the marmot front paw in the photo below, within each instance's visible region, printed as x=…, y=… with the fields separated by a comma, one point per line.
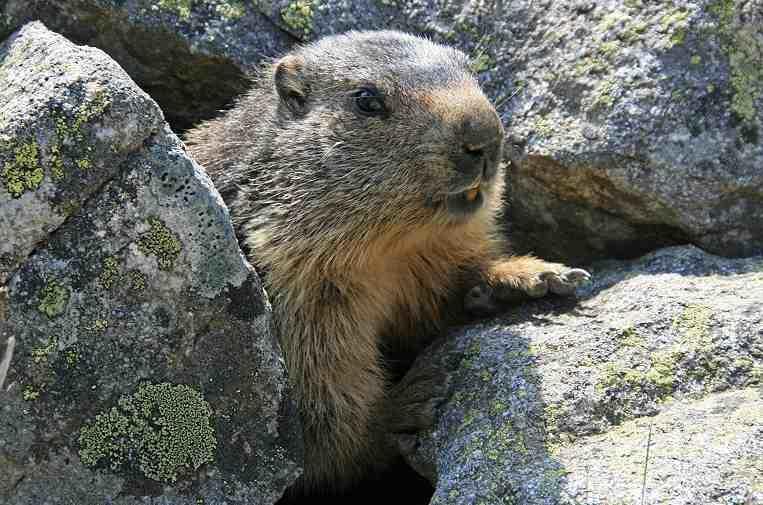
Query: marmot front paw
x=489, y=298
x=413, y=402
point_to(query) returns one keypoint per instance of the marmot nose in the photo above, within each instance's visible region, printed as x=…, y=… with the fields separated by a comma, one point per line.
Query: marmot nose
x=480, y=148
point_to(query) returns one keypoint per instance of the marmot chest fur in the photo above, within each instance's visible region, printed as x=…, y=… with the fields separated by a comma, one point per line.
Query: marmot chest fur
x=362, y=174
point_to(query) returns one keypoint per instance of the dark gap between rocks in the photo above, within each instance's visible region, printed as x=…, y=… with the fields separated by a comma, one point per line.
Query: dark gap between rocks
x=188, y=87
x=400, y=485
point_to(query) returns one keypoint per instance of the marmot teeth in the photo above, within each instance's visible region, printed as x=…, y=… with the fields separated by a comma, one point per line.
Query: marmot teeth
x=471, y=194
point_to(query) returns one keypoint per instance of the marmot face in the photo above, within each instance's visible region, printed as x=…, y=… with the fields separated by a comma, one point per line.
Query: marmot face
x=393, y=126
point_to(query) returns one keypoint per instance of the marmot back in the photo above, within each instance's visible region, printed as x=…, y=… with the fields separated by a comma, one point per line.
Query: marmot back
x=361, y=172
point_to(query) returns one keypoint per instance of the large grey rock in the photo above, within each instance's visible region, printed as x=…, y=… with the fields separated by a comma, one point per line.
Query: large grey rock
x=632, y=124
x=190, y=56
x=637, y=124
x=653, y=381
x=144, y=365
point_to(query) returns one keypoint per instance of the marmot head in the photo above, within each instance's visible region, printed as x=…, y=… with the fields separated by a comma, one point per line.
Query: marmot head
x=386, y=126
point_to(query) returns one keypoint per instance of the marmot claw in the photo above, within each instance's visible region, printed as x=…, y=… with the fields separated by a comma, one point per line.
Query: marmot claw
x=484, y=299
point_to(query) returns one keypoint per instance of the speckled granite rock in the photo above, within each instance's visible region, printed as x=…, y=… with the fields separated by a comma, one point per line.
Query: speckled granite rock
x=632, y=124
x=554, y=402
x=144, y=364
x=638, y=124
x=189, y=55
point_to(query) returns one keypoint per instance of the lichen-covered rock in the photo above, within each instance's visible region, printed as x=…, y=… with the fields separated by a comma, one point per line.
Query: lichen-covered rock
x=144, y=362
x=191, y=56
x=652, y=381
x=631, y=124
x=637, y=124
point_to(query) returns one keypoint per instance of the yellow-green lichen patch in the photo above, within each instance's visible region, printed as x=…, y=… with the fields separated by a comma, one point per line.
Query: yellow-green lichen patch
x=56, y=162
x=744, y=49
x=92, y=108
x=136, y=280
x=694, y=324
x=53, y=299
x=231, y=9
x=542, y=126
x=71, y=357
x=481, y=63
x=605, y=95
x=109, y=272
x=180, y=7
x=675, y=22
x=163, y=430
x=629, y=337
x=161, y=243
x=22, y=172
x=30, y=394
x=298, y=16
x=97, y=326
x=40, y=354
x=657, y=379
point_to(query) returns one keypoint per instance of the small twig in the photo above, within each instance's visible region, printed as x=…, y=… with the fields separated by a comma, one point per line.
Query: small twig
x=6, y=363
x=646, y=463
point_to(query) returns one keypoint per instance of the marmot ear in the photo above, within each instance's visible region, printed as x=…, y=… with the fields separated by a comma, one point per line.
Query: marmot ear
x=290, y=83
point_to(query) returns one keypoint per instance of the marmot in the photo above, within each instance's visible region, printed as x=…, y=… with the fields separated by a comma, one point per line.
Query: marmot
x=362, y=174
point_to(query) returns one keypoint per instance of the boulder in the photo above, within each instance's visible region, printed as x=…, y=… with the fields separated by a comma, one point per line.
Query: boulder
x=649, y=389
x=192, y=57
x=632, y=125
x=145, y=364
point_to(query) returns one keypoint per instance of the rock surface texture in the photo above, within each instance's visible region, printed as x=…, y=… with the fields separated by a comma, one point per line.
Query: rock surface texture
x=144, y=363
x=652, y=383
x=631, y=124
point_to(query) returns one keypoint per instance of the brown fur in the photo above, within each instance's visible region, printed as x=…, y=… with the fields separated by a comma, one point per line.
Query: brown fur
x=348, y=219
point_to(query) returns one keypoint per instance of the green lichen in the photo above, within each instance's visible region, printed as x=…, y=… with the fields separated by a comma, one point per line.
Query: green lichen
x=695, y=59
x=675, y=22
x=298, y=16
x=481, y=63
x=53, y=299
x=181, y=7
x=71, y=356
x=694, y=324
x=56, y=162
x=29, y=394
x=92, y=108
x=744, y=49
x=163, y=430
x=629, y=337
x=609, y=48
x=65, y=132
x=161, y=243
x=658, y=377
x=604, y=96
x=589, y=65
x=232, y=9
x=109, y=272
x=137, y=281
x=23, y=171
x=542, y=126
x=613, y=19
x=40, y=354
x=97, y=326
x=656, y=380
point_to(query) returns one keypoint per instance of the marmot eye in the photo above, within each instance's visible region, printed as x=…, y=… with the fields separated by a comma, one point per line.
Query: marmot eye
x=368, y=102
